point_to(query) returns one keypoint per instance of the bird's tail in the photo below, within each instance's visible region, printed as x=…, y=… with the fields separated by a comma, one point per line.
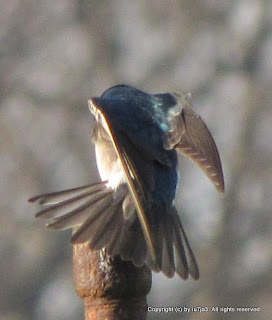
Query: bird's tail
x=96, y=212
x=173, y=251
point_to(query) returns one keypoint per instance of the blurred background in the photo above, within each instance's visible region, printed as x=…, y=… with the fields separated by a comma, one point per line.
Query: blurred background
x=54, y=55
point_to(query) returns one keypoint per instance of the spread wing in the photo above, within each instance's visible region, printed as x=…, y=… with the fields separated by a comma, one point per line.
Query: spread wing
x=133, y=179
x=189, y=135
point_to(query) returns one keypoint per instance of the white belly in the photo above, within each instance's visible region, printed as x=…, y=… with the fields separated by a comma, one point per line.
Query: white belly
x=109, y=165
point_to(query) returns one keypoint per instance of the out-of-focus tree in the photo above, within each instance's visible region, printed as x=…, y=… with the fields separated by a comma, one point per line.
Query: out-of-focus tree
x=54, y=55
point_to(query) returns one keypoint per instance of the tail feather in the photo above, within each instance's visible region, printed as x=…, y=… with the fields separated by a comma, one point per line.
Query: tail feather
x=132, y=243
x=158, y=234
x=75, y=200
x=114, y=246
x=128, y=242
x=184, y=251
x=193, y=267
x=61, y=208
x=87, y=229
x=60, y=196
x=77, y=216
x=98, y=213
x=173, y=251
x=140, y=250
x=180, y=256
x=168, y=263
x=104, y=233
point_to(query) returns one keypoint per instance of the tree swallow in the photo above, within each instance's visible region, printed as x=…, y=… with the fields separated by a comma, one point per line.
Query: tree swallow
x=132, y=212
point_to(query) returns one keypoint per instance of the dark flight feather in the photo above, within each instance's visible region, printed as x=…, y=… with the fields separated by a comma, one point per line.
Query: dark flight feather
x=189, y=135
x=131, y=177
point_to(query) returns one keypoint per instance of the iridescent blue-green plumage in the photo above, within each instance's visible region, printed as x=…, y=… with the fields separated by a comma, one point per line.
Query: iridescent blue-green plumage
x=132, y=212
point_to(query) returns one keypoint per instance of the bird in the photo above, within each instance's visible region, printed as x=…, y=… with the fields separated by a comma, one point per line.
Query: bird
x=131, y=212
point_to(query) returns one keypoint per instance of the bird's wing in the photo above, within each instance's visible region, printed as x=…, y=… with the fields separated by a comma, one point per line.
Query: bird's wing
x=189, y=135
x=133, y=179
x=69, y=208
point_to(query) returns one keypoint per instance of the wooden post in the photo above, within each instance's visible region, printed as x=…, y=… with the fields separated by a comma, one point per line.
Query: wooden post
x=112, y=289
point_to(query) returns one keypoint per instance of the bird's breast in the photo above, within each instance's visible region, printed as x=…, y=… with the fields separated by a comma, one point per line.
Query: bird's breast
x=108, y=164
